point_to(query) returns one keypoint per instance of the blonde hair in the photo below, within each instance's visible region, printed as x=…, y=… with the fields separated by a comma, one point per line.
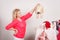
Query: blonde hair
x=40, y=8
x=15, y=12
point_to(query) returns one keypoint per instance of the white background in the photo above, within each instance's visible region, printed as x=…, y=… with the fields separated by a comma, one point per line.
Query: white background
x=51, y=13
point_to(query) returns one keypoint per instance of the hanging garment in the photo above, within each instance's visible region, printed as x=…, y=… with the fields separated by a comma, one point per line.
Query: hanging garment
x=42, y=36
x=51, y=34
x=39, y=31
x=58, y=36
x=50, y=31
x=58, y=24
x=38, y=34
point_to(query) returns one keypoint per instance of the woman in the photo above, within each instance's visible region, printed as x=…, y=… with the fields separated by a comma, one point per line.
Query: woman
x=19, y=23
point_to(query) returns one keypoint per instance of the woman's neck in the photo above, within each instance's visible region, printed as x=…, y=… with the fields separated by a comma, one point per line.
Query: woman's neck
x=19, y=19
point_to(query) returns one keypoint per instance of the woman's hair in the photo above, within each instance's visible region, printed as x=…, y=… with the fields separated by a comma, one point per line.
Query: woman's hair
x=15, y=12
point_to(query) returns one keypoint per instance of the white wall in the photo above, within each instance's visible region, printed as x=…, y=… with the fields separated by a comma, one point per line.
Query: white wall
x=52, y=12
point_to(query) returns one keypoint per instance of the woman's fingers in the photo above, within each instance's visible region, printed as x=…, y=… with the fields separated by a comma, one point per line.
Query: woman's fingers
x=15, y=30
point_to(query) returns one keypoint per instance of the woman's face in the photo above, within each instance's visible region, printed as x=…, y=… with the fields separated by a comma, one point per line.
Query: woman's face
x=18, y=14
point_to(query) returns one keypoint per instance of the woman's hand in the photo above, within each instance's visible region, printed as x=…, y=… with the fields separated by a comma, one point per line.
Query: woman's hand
x=15, y=30
x=35, y=8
